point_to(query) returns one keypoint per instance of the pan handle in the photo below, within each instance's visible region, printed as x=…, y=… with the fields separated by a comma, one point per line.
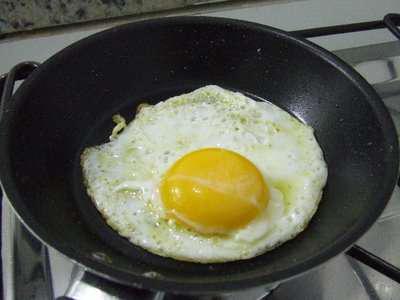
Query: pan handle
x=7, y=81
x=390, y=22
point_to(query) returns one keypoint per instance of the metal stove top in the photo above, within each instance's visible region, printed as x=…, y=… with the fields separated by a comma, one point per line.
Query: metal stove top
x=31, y=271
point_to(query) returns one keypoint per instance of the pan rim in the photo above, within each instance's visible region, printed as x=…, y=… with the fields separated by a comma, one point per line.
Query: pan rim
x=250, y=281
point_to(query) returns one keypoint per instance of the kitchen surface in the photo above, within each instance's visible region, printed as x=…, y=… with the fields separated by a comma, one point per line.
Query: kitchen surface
x=33, y=31
x=21, y=15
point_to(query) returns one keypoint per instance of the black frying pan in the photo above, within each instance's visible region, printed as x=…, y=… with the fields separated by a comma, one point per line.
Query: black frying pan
x=67, y=104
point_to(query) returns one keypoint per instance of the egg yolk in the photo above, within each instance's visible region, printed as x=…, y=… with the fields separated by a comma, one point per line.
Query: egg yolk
x=213, y=190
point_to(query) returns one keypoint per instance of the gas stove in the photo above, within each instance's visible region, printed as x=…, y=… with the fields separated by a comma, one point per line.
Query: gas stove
x=33, y=271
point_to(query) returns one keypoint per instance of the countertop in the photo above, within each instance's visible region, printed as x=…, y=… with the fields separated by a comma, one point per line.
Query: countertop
x=23, y=15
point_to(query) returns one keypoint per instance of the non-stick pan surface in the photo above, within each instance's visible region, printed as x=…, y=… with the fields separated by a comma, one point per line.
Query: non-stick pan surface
x=67, y=104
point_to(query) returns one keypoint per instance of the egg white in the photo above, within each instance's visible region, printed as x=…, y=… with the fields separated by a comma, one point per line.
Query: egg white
x=122, y=177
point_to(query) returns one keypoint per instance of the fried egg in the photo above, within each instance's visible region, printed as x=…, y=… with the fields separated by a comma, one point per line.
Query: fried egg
x=208, y=176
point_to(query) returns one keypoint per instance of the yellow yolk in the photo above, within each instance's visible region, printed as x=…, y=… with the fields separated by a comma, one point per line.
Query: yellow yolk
x=213, y=190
